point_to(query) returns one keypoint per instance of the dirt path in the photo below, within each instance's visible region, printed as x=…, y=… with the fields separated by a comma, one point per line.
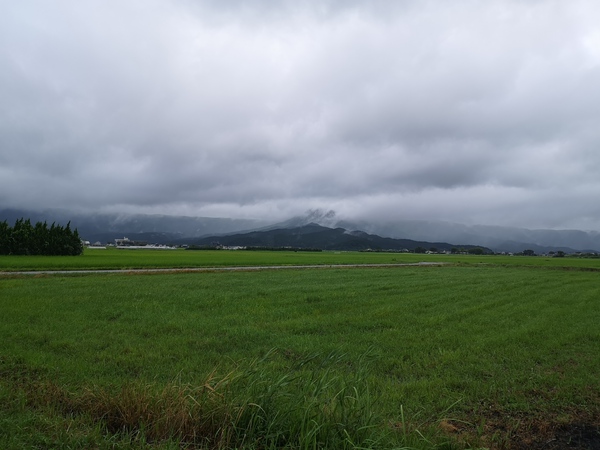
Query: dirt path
x=213, y=269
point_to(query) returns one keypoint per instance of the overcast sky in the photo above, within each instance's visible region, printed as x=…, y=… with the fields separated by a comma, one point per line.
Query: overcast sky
x=477, y=112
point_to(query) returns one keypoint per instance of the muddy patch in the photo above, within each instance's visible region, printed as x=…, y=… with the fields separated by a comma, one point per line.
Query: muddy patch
x=519, y=432
x=573, y=436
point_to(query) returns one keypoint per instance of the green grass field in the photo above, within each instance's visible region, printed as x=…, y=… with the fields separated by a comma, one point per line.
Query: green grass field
x=112, y=258
x=483, y=352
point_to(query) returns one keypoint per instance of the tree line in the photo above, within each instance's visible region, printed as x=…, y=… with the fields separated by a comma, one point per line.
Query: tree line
x=39, y=239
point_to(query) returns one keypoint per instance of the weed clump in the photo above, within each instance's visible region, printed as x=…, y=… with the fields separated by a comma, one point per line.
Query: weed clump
x=309, y=406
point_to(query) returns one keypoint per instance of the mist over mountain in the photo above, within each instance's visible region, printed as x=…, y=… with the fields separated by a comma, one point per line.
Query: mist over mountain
x=314, y=236
x=499, y=239
x=163, y=229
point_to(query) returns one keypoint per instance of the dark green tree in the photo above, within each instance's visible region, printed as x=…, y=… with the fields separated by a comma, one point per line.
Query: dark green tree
x=476, y=251
x=26, y=239
x=21, y=236
x=5, y=232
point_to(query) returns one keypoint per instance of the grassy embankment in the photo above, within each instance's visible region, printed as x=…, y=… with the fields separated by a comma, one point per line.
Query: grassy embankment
x=453, y=356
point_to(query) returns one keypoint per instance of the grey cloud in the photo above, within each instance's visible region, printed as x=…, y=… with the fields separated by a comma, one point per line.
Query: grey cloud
x=460, y=110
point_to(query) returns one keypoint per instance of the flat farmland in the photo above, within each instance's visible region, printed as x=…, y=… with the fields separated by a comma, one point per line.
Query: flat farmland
x=481, y=352
x=112, y=258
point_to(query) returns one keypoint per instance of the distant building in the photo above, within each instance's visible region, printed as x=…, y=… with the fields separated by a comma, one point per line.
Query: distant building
x=126, y=242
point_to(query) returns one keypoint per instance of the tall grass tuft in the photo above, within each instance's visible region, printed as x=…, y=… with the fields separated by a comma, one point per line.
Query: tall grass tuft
x=305, y=408
x=313, y=405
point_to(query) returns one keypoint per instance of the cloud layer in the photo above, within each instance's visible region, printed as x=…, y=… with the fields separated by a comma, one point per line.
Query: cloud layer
x=474, y=112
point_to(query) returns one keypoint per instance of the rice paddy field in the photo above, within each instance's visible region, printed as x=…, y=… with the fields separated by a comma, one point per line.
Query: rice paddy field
x=478, y=352
x=112, y=258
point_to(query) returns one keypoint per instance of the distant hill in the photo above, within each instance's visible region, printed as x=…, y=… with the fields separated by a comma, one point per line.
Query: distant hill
x=316, y=236
x=499, y=239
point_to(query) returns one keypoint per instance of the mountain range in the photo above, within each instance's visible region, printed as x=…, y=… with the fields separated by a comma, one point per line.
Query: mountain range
x=164, y=229
x=314, y=236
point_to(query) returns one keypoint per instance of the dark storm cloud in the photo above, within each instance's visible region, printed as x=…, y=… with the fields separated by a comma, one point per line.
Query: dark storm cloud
x=466, y=111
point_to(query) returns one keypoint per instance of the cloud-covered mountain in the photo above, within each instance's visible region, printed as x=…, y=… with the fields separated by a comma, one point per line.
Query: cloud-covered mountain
x=315, y=236
x=499, y=239
x=160, y=229
x=167, y=229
